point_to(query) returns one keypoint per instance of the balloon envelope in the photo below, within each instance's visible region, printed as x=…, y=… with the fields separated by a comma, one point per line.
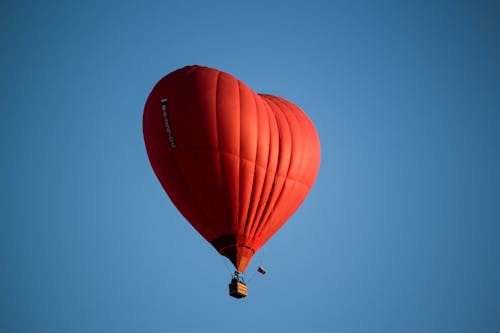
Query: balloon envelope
x=236, y=164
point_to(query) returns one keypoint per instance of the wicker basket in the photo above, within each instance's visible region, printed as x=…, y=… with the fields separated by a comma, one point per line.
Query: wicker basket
x=238, y=289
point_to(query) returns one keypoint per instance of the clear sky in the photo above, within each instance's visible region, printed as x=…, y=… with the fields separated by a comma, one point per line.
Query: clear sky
x=399, y=234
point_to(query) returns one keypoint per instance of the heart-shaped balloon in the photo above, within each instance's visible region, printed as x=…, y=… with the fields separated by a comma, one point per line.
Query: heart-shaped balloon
x=235, y=163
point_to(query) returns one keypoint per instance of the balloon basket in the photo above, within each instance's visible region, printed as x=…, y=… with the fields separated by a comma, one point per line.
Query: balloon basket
x=237, y=289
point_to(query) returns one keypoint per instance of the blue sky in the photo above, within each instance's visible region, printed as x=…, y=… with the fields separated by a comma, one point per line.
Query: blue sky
x=399, y=234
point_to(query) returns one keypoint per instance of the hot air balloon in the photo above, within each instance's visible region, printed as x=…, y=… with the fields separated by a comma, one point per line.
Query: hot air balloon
x=235, y=163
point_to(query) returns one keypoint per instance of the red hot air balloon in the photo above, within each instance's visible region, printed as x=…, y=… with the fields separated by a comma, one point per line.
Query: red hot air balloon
x=235, y=163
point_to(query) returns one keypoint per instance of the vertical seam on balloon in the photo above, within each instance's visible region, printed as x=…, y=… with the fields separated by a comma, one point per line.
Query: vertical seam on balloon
x=259, y=218
x=214, y=213
x=191, y=76
x=256, y=215
x=237, y=208
x=277, y=101
x=219, y=169
x=248, y=217
x=206, y=184
x=302, y=125
x=268, y=211
x=219, y=153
